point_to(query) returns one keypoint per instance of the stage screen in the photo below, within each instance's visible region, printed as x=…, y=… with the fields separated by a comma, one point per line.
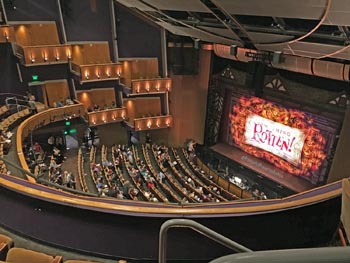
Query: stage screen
x=292, y=140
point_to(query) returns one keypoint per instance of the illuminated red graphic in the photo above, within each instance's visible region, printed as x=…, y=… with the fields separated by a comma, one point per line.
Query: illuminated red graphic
x=284, y=137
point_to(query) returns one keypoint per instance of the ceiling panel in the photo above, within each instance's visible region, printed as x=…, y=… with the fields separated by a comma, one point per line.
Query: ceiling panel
x=179, y=5
x=137, y=4
x=258, y=37
x=307, y=9
x=195, y=33
x=219, y=31
x=339, y=13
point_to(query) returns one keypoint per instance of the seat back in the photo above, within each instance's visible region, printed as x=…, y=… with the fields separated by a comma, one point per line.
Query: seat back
x=20, y=255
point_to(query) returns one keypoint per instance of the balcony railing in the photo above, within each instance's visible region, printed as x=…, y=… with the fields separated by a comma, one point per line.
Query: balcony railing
x=95, y=72
x=43, y=55
x=153, y=123
x=107, y=116
x=140, y=86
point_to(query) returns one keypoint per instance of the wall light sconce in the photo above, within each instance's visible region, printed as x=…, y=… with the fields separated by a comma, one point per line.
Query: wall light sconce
x=158, y=124
x=139, y=127
x=167, y=123
x=69, y=55
x=108, y=74
x=157, y=87
x=138, y=89
x=32, y=59
x=86, y=75
x=123, y=116
x=45, y=58
x=98, y=75
x=57, y=58
x=149, y=125
x=6, y=36
x=114, y=118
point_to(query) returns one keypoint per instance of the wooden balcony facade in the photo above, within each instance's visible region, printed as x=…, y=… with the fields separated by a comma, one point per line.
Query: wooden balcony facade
x=107, y=116
x=144, y=86
x=97, y=72
x=7, y=34
x=153, y=123
x=43, y=54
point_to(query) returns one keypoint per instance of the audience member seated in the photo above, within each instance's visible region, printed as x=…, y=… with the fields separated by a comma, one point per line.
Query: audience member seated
x=38, y=150
x=133, y=192
x=5, y=141
x=59, y=104
x=69, y=101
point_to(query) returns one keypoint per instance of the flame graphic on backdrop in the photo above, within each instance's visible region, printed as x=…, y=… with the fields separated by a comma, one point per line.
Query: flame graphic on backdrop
x=312, y=154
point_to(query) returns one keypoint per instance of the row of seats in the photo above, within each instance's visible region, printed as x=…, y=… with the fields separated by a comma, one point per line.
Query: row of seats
x=81, y=171
x=6, y=123
x=3, y=110
x=181, y=181
x=11, y=254
x=175, y=196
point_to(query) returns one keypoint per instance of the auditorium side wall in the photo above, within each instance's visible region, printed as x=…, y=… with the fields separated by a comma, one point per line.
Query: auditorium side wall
x=188, y=103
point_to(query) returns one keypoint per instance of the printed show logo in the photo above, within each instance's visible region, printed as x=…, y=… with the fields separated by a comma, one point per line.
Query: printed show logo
x=274, y=137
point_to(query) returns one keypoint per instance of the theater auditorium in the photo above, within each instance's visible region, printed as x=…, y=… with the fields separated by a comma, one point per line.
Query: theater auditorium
x=174, y=131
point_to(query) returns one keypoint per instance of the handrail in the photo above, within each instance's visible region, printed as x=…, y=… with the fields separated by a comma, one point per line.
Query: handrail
x=186, y=223
x=308, y=255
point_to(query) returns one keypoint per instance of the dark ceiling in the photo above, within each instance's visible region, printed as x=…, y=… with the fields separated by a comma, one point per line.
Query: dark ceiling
x=310, y=28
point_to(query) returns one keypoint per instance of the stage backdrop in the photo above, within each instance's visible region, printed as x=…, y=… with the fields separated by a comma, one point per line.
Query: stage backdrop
x=300, y=143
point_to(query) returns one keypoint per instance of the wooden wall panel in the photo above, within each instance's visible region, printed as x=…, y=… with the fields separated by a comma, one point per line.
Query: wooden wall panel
x=91, y=53
x=77, y=54
x=142, y=107
x=56, y=91
x=36, y=34
x=97, y=96
x=147, y=107
x=145, y=68
x=130, y=107
x=189, y=103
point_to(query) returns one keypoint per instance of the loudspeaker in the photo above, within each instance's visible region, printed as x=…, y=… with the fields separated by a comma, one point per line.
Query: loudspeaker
x=277, y=57
x=233, y=50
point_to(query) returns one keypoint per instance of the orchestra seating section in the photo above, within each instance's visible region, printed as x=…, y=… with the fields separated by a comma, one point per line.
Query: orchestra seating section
x=130, y=173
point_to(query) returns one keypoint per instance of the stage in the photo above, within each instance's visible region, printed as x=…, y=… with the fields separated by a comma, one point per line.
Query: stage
x=263, y=168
